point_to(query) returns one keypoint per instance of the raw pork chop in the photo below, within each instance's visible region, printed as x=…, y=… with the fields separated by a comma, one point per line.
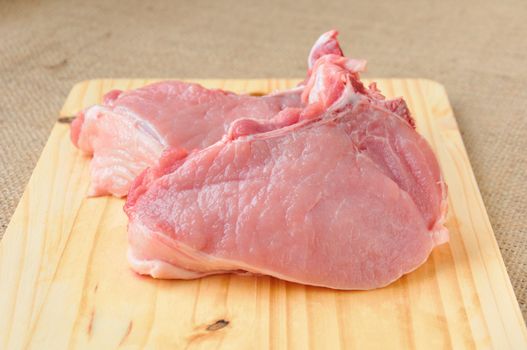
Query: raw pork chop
x=348, y=196
x=130, y=130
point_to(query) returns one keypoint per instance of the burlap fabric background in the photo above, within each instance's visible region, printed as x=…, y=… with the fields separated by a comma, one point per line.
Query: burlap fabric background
x=477, y=49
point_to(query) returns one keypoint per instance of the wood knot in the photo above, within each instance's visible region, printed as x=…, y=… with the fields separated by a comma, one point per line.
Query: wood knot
x=65, y=120
x=217, y=325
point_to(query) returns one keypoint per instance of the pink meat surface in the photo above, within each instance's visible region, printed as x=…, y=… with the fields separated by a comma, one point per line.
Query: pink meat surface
x=343, y=193
x=129, y=130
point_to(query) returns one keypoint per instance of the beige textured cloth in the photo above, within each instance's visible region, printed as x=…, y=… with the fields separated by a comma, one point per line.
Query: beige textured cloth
x=477, y=49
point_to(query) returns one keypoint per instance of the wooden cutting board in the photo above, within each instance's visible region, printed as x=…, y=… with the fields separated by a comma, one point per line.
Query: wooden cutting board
x=65, y=282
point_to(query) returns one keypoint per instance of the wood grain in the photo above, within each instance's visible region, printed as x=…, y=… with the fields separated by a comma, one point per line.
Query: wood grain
x=65, y=282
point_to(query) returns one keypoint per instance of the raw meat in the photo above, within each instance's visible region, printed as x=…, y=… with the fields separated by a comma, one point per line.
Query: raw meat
x=343, y=193
x=332, y=74
x=130, y=130
x=327, y=44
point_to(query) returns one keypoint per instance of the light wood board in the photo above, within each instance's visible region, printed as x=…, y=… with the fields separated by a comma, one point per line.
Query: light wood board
x=65, y=282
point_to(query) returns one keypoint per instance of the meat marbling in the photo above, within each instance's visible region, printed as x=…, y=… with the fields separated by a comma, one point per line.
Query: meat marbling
x=342, y=193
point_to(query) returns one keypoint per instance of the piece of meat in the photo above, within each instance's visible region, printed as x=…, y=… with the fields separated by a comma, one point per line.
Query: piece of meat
x=326, y=44
x=349, y=196
x=333, y=74
x=129, y=130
